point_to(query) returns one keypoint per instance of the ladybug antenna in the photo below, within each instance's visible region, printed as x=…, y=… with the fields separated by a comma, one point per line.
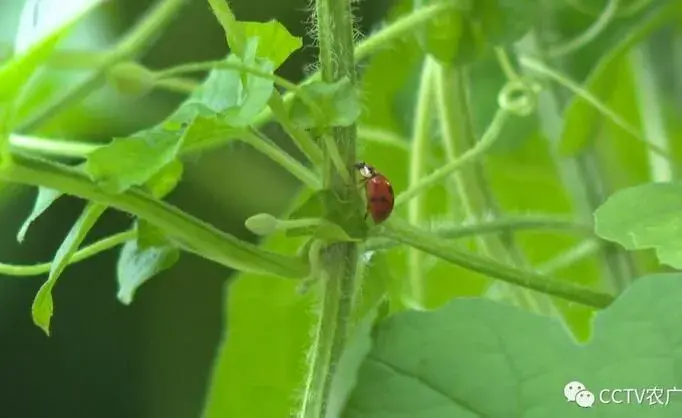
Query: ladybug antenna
x=359, y=165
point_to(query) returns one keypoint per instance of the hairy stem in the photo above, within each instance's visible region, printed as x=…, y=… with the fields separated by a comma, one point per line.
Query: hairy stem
x=335, y=37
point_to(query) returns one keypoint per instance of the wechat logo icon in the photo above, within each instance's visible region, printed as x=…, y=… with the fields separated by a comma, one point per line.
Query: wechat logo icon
x=578, y=393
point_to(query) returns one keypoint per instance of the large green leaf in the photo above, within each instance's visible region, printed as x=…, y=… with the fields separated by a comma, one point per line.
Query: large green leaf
x=477, y=358
x=261, y=364
x=642, y=217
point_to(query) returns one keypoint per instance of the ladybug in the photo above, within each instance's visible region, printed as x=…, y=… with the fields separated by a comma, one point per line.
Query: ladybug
x=380, y=197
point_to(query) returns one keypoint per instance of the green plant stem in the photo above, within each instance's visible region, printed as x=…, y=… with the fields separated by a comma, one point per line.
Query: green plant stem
x=477, y=199
x=381, y=39
x=599, y=25
x=506, y=65
x=418, y=154
x=195, y=67
x=193, y=234
x=177, y=85
x=650, y=111
x=80, y=255
x=507, y=223
x=127, y=48
x=335, y=39
x=276, y=105
x=471, y=155
x=444, y=250
x=540, y=67
x=300, y=136
x=582, y=175
x=381, y=136
x=587, y=248
x=276, y=154
x=45, y=146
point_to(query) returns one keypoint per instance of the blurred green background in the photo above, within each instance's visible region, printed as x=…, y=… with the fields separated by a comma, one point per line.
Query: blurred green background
x=152, y=358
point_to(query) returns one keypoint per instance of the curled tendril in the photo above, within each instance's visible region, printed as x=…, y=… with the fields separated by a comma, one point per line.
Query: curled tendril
x=519, y=97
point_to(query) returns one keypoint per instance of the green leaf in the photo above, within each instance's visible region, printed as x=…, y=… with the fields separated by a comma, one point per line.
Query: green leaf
x=165, y=180
x=470, y=29
x=34, y=52
x=275, y=43
x=338, y=102
x=43, y=201
x=263, y=353
x=475, y=358
x=132, y=161
x=43, y=305
x=235, y=98
x=207, y=130
x=642, y=217
x=33, y=49
x=581, y=118
x=142, y=259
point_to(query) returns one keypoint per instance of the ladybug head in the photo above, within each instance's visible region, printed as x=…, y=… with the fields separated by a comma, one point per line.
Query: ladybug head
x=366, y=171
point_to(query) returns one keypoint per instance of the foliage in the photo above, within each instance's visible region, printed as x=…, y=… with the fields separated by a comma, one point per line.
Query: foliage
x=515, y=173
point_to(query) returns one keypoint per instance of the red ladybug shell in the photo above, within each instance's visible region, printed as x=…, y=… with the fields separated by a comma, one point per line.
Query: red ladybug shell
x=380, y=197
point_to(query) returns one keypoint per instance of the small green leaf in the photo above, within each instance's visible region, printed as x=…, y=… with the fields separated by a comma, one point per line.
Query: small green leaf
x=165, y=180
x=479, y=358
x=142, y=259
x=131, y=78
x=275, y=43
x=642, y=217
x=206, y=130
x=581, y=117
x=43, y=305
x=132, y=161
x=339, y=104
x=43, y=201
x=235, y=98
